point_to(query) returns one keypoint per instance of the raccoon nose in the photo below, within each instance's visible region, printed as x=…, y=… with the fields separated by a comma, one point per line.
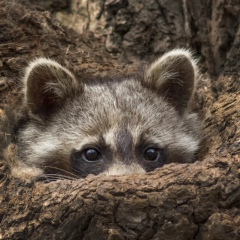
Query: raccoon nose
x=124, y=169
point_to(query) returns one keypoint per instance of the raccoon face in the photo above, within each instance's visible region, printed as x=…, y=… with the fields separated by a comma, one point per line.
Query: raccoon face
x=111, y=126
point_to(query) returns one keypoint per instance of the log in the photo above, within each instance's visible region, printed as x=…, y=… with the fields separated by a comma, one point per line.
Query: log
x=139, y=29
x=185, y=201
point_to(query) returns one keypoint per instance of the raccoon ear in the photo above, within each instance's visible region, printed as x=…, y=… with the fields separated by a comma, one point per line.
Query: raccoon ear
x=174, y=77
x=46, y=86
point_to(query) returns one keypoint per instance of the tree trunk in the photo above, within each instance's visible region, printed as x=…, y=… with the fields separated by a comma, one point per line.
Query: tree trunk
x=179, y=201
x=185, y=201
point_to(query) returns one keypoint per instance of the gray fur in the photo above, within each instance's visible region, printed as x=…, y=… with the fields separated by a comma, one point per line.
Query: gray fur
x=120, y=118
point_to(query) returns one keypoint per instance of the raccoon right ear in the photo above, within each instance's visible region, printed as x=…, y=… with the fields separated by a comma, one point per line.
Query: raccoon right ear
x=174, y=76
x=46, y=86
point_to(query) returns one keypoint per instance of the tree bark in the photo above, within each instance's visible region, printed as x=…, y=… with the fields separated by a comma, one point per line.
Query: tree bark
x=179, y=201
x=139, y=29
x=185, y=201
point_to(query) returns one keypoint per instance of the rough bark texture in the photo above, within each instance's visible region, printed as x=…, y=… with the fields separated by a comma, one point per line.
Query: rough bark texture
x=199, y=201
x=139, y=29
x=188, y=201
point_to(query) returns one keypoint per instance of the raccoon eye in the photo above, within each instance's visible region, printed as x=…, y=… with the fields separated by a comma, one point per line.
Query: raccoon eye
x=91, y=154
x=152, y=154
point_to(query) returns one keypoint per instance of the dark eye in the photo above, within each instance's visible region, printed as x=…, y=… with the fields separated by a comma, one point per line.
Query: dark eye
x=152, y=154
x=91, y=154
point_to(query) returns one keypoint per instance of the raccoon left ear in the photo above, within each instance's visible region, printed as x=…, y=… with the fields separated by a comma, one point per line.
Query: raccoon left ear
x=174, y=77
x=46, y=86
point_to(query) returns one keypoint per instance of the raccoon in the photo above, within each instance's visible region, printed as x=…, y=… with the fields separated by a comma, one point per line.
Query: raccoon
x=117, y=126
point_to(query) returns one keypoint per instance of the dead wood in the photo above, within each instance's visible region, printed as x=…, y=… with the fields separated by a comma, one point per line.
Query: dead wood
x=188, y=201
x=140, y=29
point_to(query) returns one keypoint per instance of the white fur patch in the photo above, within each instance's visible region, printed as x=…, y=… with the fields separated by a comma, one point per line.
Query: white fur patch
x=44, y=146
x=39, y=144
x=187, y=142
x=87, y=140
x=110, y=138
x=24, y=171
x=122, y=169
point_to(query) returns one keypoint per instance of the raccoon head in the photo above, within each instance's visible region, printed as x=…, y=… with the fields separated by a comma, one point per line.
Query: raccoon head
x=112, y=126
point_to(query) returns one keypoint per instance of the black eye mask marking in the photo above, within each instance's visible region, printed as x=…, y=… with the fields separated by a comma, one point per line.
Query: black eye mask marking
x=153, y=157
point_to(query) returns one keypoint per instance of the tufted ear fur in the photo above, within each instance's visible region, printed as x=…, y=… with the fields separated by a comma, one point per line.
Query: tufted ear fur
x=46, y=86
x=174, y=77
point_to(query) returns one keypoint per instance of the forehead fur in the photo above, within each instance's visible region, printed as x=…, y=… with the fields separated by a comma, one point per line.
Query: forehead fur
x=102, y=110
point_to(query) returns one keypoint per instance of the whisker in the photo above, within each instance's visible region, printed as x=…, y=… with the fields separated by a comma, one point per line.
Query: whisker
x=97, y=168
x=60, y=176
x=79, y=171
x=50, y=178
x=62, y=170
